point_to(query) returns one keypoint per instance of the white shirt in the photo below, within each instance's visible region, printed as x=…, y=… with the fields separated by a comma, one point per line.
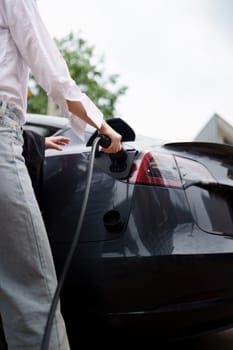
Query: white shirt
x=25, y=44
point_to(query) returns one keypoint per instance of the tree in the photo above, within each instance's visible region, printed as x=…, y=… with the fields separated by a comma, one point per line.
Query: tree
x=88, y=72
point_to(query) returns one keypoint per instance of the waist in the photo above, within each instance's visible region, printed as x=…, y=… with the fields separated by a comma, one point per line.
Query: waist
x=7, y=110
x=9, y=115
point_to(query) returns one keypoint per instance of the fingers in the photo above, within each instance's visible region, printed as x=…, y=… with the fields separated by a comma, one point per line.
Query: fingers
x=112, y=149
x=115, y=137
x=61, y=140
x=55, y=142
x=57, y=147
x=115, y=145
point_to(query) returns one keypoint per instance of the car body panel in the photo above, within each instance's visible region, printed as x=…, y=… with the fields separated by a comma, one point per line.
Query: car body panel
x=165, y=264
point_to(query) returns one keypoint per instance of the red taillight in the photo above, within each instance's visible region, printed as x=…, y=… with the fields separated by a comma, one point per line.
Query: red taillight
x=156, y=169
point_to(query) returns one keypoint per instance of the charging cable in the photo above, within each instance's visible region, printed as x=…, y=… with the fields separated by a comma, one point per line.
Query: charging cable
x=104, y=141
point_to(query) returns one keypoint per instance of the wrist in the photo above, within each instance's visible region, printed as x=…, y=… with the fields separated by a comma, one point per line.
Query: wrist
x=103, y=127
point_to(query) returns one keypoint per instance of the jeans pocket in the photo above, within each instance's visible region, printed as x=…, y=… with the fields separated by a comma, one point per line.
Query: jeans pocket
x=17, y=137
x=8, y=117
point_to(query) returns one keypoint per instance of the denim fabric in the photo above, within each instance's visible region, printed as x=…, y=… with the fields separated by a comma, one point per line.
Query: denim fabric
x=27, y=274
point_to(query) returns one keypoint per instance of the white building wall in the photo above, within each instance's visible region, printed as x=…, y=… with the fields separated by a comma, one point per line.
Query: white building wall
x=216, y=130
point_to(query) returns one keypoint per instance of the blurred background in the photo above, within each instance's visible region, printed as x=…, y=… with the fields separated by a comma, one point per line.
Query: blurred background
x=173, y=59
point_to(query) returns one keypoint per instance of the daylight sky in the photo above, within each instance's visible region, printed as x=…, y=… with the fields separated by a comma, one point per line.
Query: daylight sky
x=175, y=56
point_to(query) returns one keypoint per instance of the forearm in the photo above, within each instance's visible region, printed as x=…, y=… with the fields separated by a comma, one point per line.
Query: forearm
x=77, y=109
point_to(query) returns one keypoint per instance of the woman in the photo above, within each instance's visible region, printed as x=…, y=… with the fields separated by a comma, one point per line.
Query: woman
x=27, y=274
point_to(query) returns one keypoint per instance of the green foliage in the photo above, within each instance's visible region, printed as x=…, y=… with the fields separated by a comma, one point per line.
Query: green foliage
x=88, y=72
x=37, y=99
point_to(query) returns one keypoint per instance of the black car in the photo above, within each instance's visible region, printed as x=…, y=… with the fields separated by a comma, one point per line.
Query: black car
x=155, y=253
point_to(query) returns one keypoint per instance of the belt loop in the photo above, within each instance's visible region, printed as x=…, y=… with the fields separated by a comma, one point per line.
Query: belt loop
x=3, y=105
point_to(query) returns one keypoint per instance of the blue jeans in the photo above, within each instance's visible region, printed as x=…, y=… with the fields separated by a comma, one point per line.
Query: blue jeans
x=27, y=274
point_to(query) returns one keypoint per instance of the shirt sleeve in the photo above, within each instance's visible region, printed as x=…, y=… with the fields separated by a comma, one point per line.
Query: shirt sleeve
x=44, y=59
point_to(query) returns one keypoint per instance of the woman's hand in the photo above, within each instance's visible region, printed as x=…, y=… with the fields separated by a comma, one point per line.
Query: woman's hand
x=56, y=142
x=115, y=145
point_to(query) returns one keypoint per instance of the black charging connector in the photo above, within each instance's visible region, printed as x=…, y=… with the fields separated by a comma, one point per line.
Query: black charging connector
x=118, y=160
x=104, y=141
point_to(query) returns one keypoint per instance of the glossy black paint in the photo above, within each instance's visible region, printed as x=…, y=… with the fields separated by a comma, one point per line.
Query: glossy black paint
x=159, y=272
